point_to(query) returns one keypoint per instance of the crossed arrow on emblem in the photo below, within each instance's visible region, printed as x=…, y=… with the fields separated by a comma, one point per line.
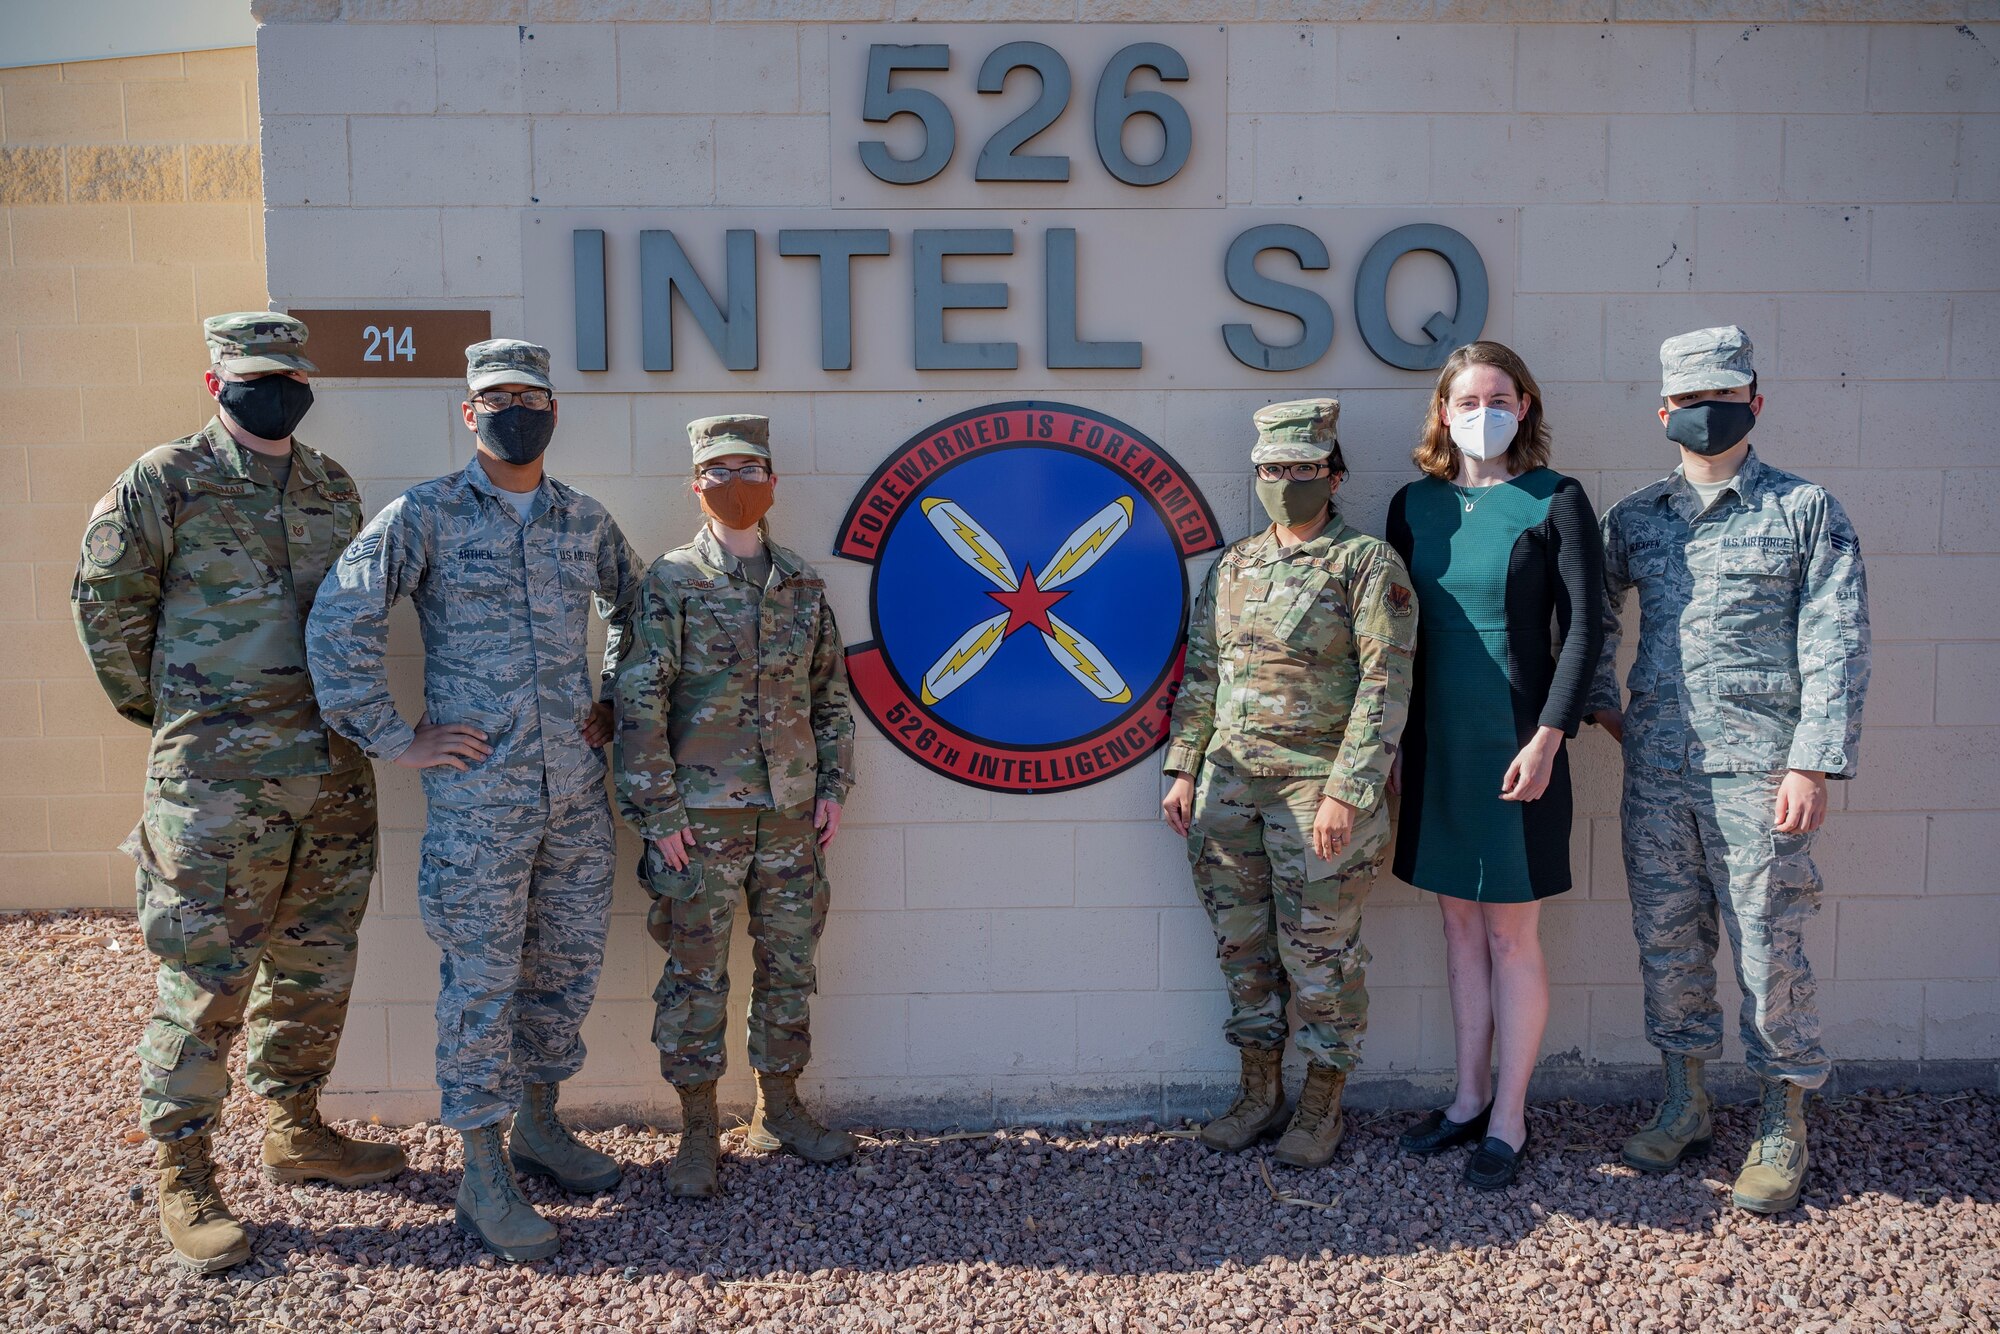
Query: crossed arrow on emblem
x=1026, y=603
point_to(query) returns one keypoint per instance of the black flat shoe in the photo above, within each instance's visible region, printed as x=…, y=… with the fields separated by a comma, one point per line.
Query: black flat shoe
x=1494, y=1165
x=1438, y=1132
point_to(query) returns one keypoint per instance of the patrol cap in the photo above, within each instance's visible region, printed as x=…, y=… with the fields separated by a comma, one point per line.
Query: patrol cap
x=254, y=341
x=1301, y=431
x=506, y=361
x=1705, y=359
x=731, y=433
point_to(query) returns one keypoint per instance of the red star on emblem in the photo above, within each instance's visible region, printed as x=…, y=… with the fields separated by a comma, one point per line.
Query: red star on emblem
x=1028, y=605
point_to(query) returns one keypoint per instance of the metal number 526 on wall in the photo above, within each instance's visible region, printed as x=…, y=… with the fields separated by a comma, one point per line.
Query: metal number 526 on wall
x=1002, y=158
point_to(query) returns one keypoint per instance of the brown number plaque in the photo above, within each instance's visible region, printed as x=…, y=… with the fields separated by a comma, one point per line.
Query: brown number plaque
x=394, y=344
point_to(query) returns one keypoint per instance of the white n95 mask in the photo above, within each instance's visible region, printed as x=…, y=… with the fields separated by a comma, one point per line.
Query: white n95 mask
x=1484, y=433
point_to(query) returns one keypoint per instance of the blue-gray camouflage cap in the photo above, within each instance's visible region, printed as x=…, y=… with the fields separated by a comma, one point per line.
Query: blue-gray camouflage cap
x=252, y=342
x=1705, y=359
x=1301, y=431
x=506, y=361
x=732, y=433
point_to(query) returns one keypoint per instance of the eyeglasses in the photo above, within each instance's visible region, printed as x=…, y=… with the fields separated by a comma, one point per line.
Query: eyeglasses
x=717, y=475
x=1291, y=472
x=499, y=400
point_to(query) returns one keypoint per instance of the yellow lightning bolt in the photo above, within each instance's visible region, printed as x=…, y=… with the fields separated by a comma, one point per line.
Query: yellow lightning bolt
x=987, y=560
x=1084, y=664
x=1088, y=545
x=970, y=652
x=1077, y=553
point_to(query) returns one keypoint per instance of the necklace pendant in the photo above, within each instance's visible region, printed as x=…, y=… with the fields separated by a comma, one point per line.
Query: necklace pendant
x=1468, y=506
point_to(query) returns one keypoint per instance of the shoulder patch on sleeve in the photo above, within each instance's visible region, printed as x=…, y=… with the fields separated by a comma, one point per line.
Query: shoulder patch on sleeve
x=361, y=548
x=104, y=542
x=106, y=503
x=1397, y=598
x=1843, y=541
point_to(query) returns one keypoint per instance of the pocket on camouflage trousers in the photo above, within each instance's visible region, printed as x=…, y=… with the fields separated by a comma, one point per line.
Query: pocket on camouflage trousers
x=183, y=902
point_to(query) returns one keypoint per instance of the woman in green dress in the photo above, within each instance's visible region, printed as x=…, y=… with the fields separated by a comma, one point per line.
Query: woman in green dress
x=1505, y=557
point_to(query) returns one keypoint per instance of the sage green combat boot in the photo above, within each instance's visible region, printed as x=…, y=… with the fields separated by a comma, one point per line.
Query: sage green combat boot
x=542, y=1145
x=781, y=1121
x=1775, y=1171
x=1259, y=1107
x=692, y=1174
x=1318, y=1124
x=491, y=1206
x=1680, y=1128
x=299, y=1146
x=205, y=1236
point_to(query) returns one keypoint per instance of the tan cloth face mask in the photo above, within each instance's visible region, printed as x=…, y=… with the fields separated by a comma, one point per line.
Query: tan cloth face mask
x=736, y=503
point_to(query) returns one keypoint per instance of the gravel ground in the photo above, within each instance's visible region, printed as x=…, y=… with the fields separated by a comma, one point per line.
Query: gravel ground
x=1113, y=1228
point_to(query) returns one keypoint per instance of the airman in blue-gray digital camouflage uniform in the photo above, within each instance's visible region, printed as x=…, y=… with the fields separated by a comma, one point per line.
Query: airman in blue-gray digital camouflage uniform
x=1745, y=697
x=517, y=861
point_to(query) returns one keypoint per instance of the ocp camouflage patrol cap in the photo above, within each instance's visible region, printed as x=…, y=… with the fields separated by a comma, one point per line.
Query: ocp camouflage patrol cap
x=1705, y=359
x=254, y=341
x=732, y=433
x=506, y=361
x=1301, y=431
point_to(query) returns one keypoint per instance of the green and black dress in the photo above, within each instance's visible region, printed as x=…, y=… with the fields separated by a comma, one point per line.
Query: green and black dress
x=1510, y=582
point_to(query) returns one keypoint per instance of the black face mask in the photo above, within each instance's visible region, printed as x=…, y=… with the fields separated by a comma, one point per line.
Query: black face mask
x=516, y=434
x=1710, y=428
x=270, y=407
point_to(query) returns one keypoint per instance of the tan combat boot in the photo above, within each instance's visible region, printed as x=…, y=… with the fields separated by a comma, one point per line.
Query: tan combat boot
x=1259, y=1105
x=299, y=1146
x=205, y=1236
x=1316, y=1128
x=1680, y=1127
x=781, y=1121
x=542, y=1145
x=691, y=1176
x=1775, y=1171
x=491, y=1207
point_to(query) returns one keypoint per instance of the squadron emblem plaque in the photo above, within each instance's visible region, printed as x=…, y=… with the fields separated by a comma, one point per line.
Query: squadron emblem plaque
x=1030, y=595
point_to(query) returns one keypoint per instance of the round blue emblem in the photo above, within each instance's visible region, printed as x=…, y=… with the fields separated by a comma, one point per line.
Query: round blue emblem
x=1030, y=596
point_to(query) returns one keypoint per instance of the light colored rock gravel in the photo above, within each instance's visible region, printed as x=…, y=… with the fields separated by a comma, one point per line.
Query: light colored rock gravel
x=1118, y=1228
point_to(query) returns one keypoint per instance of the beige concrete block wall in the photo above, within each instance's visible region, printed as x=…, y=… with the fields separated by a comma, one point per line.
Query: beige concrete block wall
x=129, y=207
x=1831, y=185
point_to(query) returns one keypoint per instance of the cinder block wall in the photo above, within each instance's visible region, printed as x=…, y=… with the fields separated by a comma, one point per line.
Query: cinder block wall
x=128, y=207
x=1833, y=185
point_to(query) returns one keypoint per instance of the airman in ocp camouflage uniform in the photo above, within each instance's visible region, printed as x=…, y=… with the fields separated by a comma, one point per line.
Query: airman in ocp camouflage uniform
x=518, y=858
x=735, y=751
x=1746, y=696
x=258, y=836
x=1296, y=691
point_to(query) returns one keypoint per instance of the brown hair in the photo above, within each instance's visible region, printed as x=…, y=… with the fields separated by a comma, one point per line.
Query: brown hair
x=1437, y=455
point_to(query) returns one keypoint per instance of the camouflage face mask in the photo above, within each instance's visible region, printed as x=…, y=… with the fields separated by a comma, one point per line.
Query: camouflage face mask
x=1294, y=503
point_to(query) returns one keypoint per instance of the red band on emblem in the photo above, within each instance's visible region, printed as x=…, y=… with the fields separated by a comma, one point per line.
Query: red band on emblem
x=924, y=737
x=1186, y=514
